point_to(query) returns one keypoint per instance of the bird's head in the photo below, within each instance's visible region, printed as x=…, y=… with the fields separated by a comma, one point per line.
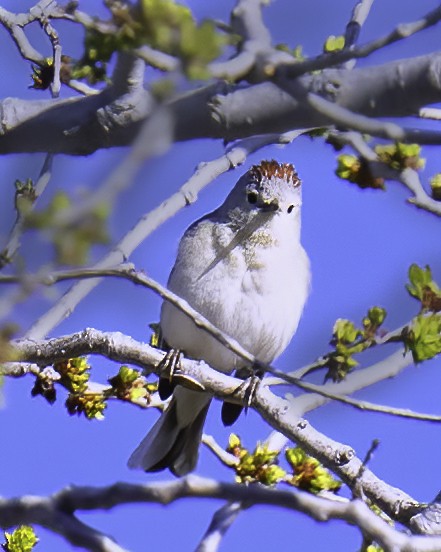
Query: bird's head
x=269, y=187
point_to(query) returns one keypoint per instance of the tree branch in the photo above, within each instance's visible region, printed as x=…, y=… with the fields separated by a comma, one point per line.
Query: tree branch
x=408, y=177
x=56, y=511
x=279, y=413
x=359, y=15
x=83, y=125
x=13, y=243
x=401, y=32
x=222, y=520
x=420, y=199
x=344, y=117
x=127, y=272
x=46, y=511
x=15, y=22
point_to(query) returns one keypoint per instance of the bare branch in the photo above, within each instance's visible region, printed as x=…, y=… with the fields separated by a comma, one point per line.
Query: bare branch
x=82, y=88
x=401, y=32
x=256, y=54
x=15, y=236
x=56, y=49
x=225, y=457
x=157, y=59
x=219, y=525
x=385, y=369
x=18, y=369
x=344, y=117
x=359, y=15
x=14, y=24
x=82, y=125
x=52, y=511
x=421, y=199
x=430, y=113
x=46, y=511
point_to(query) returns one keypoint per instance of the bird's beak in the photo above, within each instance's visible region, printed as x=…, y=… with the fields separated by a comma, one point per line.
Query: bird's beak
x=268, y=206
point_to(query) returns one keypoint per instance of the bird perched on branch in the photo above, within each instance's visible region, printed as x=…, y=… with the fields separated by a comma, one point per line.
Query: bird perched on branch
x=243, y=268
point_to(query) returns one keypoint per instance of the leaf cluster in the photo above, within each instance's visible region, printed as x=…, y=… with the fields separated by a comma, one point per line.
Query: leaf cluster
x=396, y=155
x=423, y=337
x=400, y=156
x=334, y=44
x=22, y=539
x=348, y=340
x=164, y=25
x=24, y=196
x=308, y=474
x=74, y=375
x=170, y=27
x=259, y=466
x=129, y=385
x=422, y=287
x=435, y=186
x=357, y=170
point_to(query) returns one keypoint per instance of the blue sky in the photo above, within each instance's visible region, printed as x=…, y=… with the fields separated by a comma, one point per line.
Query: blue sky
x=360, y=244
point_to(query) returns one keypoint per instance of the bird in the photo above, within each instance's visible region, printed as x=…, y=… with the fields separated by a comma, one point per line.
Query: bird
x=242, y=267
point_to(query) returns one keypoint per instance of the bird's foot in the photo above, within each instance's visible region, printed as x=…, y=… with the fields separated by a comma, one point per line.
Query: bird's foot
x=170, y=375
x=231, y=411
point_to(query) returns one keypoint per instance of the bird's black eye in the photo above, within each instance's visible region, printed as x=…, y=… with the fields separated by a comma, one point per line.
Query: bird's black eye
x=290, y=208
x=252, y=197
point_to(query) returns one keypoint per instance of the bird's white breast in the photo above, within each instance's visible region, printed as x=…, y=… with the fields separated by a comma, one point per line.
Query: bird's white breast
x=255, y=294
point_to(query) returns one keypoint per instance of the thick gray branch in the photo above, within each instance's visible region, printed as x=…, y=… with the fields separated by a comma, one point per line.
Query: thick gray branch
x=55, y=512
x=45, y=511
x=111, y=118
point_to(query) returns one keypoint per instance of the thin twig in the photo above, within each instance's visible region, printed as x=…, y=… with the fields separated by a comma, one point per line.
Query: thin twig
x=385, y=369
x=82, y=88
x=359, y=15
x=410, y=178
x=221, y=521
x=15, y=22
x=430, y=113
x=14, y=240
x=341, y=116
x=401, y=32
x=225, y=457
x=158, y=59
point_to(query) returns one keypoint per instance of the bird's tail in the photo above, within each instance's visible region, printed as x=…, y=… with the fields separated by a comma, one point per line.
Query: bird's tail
x=173, y=442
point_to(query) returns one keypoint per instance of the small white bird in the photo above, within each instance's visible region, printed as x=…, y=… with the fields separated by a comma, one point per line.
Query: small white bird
x=243, y=268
